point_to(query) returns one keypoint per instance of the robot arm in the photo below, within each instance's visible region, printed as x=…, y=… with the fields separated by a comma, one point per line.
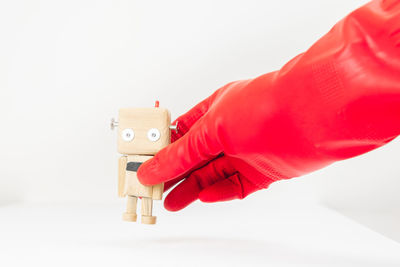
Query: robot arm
x=121, y=175
x=158, y=191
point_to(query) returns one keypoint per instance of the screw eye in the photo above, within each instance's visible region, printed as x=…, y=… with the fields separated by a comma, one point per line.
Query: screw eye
x=113, y=124
x=128, y=135
x=153, y=134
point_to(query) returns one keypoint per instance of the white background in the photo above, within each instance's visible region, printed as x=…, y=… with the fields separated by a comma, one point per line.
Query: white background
x=66, y=67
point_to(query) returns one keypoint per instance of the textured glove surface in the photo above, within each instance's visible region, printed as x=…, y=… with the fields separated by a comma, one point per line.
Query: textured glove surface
x=339, y=99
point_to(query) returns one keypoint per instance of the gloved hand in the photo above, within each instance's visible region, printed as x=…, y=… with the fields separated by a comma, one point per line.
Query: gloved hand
x=338, y=100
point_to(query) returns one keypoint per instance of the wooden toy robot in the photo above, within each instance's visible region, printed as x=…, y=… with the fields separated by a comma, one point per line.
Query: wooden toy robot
x=142, y=132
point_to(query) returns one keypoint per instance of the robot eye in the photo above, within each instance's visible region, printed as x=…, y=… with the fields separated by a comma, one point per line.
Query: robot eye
x=153, y=134
x=128, y=135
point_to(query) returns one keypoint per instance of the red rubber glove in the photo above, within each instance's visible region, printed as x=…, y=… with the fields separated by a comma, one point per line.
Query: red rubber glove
x=338, y=100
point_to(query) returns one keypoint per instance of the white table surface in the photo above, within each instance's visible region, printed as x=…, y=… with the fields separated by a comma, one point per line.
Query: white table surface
x=204, y=235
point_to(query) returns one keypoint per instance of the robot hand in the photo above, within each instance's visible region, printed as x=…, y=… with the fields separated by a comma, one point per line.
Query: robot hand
x=339, y=99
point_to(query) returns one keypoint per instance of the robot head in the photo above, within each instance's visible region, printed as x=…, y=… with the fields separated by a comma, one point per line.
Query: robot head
x=143, y=131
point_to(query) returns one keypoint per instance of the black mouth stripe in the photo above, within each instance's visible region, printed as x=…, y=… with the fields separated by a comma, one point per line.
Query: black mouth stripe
x=133, y=166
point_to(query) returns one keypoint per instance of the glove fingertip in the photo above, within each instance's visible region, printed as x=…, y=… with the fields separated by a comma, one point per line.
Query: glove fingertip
x=171, y=206
x=146, y=173
x=175, y=203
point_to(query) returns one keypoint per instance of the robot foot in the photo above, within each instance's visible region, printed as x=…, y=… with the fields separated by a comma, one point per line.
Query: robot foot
x=129, y=217
x=149, y=219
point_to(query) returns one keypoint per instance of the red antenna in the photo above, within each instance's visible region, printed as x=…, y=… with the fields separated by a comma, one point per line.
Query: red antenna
x=157, y=104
